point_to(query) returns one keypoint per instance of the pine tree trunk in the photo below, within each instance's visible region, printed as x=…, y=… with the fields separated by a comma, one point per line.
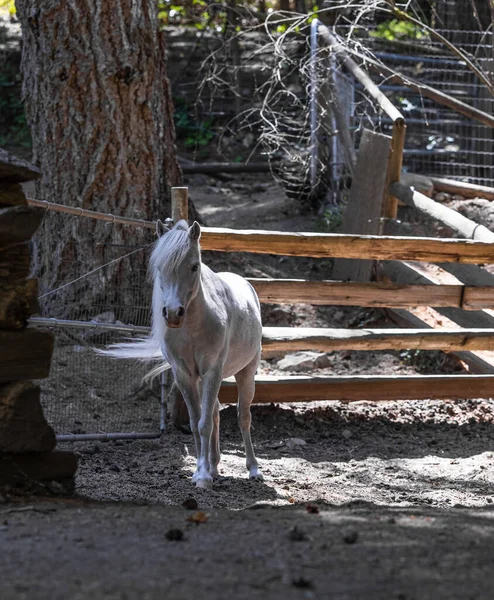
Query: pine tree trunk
x=99, y=106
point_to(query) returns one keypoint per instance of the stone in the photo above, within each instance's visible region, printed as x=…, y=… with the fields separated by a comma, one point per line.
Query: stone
x=442, y=197
x=304, y=361
x=421, y=183
x=292, y=443
x=23, y=427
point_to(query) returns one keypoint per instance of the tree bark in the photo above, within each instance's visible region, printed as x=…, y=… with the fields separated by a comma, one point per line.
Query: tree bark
x=99, y=106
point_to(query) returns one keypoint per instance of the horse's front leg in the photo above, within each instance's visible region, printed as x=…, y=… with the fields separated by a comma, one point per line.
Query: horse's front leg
x=206, y=464
x=188, y=388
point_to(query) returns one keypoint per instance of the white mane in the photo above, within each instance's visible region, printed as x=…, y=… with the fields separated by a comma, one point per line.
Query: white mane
x=170, y=249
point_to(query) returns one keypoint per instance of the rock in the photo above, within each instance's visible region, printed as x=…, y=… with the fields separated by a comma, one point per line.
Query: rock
x=350, y=537
x=297, y=535
x=303, y=361
x=295, y=443
x=190, y=504
x=174, y=535
x=346, y=433
x=442, y=197
x=420, y=182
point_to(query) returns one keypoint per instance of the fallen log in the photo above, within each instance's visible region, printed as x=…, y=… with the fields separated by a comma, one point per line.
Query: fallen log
x=467, y=190
x=451, y=218
x=17, y=302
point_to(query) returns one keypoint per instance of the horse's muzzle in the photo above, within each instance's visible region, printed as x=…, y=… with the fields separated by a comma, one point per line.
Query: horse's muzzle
x=174, y=318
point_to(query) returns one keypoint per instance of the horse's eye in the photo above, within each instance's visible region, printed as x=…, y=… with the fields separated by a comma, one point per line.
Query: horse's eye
x=195, y=267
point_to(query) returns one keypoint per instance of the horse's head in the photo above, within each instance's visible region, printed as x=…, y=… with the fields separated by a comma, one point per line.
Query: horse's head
x=176, y=265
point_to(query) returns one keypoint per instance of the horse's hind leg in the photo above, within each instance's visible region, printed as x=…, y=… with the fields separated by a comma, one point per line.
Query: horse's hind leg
x=246, y=389
x=214, y=455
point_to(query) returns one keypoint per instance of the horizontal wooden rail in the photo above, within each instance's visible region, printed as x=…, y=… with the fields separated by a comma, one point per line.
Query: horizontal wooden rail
x=451, y=218
x=280, y=340
x=378, y=294
x=334, y=245
x=364, y=388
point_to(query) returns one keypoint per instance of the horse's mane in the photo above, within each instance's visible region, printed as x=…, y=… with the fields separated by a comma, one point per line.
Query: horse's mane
x=170, y=249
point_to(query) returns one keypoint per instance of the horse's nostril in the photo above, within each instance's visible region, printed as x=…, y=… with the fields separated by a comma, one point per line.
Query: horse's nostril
x=180, y=311
x=164, y=312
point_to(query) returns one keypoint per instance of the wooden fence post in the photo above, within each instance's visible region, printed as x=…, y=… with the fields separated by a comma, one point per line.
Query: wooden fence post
x=390, y=209
x=365, y=205
x=178, y=410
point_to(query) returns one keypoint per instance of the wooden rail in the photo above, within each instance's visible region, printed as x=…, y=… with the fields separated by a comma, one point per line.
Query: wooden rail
x=364, y=388
x=375, y=294
x=333, y=245
x=281, y=340
x=467, y=190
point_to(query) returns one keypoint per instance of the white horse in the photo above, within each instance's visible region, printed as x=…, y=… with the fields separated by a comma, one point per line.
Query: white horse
x=206, y=326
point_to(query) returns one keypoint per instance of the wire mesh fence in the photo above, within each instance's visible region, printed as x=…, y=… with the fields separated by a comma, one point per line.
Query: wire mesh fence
x=104, y=283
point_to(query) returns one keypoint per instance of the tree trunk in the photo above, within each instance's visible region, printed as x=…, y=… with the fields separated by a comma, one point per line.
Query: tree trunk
x=99, y=106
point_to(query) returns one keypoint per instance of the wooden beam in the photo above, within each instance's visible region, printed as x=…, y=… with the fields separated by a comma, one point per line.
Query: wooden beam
x=364, y=388
x=17, y=302
x=360, y=75
x=365, y=205
x=432, y=93
x=467, y=190
x=451, y=218
x=25, y=354
x=282, y=340
x=340, y=293
x=18, y=224
x=45, y=466
x=15, y=263
x=334, y=245
x=13, y=168
x=12, y=194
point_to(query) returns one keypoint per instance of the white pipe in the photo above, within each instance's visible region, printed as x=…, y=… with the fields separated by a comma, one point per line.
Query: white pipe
x=313, y=102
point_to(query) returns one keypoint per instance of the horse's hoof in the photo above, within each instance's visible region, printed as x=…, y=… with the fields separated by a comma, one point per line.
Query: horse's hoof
x=256, y=476
x=205, y=483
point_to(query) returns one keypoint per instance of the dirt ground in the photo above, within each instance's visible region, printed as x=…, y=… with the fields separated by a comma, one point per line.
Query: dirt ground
x=391, y=500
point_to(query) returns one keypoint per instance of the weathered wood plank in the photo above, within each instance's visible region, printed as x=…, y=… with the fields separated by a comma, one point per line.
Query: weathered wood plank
x=374, y=294
x=276, y=340
x=390, y=210
x=46, y=466
x=25, y=354
x=364, y=388
x=451, y=218
x=15, y=263
x=13, y=168
x=12, y=194
x=334, y=245
x=18, y=224
x=365, y=205
x=23, y=427
x=17, y=303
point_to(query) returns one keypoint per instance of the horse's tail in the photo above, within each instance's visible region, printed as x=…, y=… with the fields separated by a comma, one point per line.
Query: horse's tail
x=145, y=349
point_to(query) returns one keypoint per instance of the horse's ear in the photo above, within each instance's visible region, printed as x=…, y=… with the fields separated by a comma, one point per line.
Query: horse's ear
x=162, y=228
x=195, y=231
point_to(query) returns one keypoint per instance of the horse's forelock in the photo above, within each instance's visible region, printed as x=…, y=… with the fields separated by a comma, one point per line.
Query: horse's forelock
x=171, y=249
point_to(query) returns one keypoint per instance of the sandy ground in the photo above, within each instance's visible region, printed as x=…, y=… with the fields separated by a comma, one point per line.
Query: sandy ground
x=391, y=500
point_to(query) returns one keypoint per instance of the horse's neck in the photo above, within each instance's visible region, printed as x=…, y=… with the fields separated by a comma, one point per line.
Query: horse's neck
x=203, y=302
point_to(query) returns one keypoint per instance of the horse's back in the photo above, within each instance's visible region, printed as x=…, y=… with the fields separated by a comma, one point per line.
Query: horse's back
x=244, y=322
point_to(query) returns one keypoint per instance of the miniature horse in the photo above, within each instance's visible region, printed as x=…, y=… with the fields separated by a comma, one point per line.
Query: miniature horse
x=206, y=326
